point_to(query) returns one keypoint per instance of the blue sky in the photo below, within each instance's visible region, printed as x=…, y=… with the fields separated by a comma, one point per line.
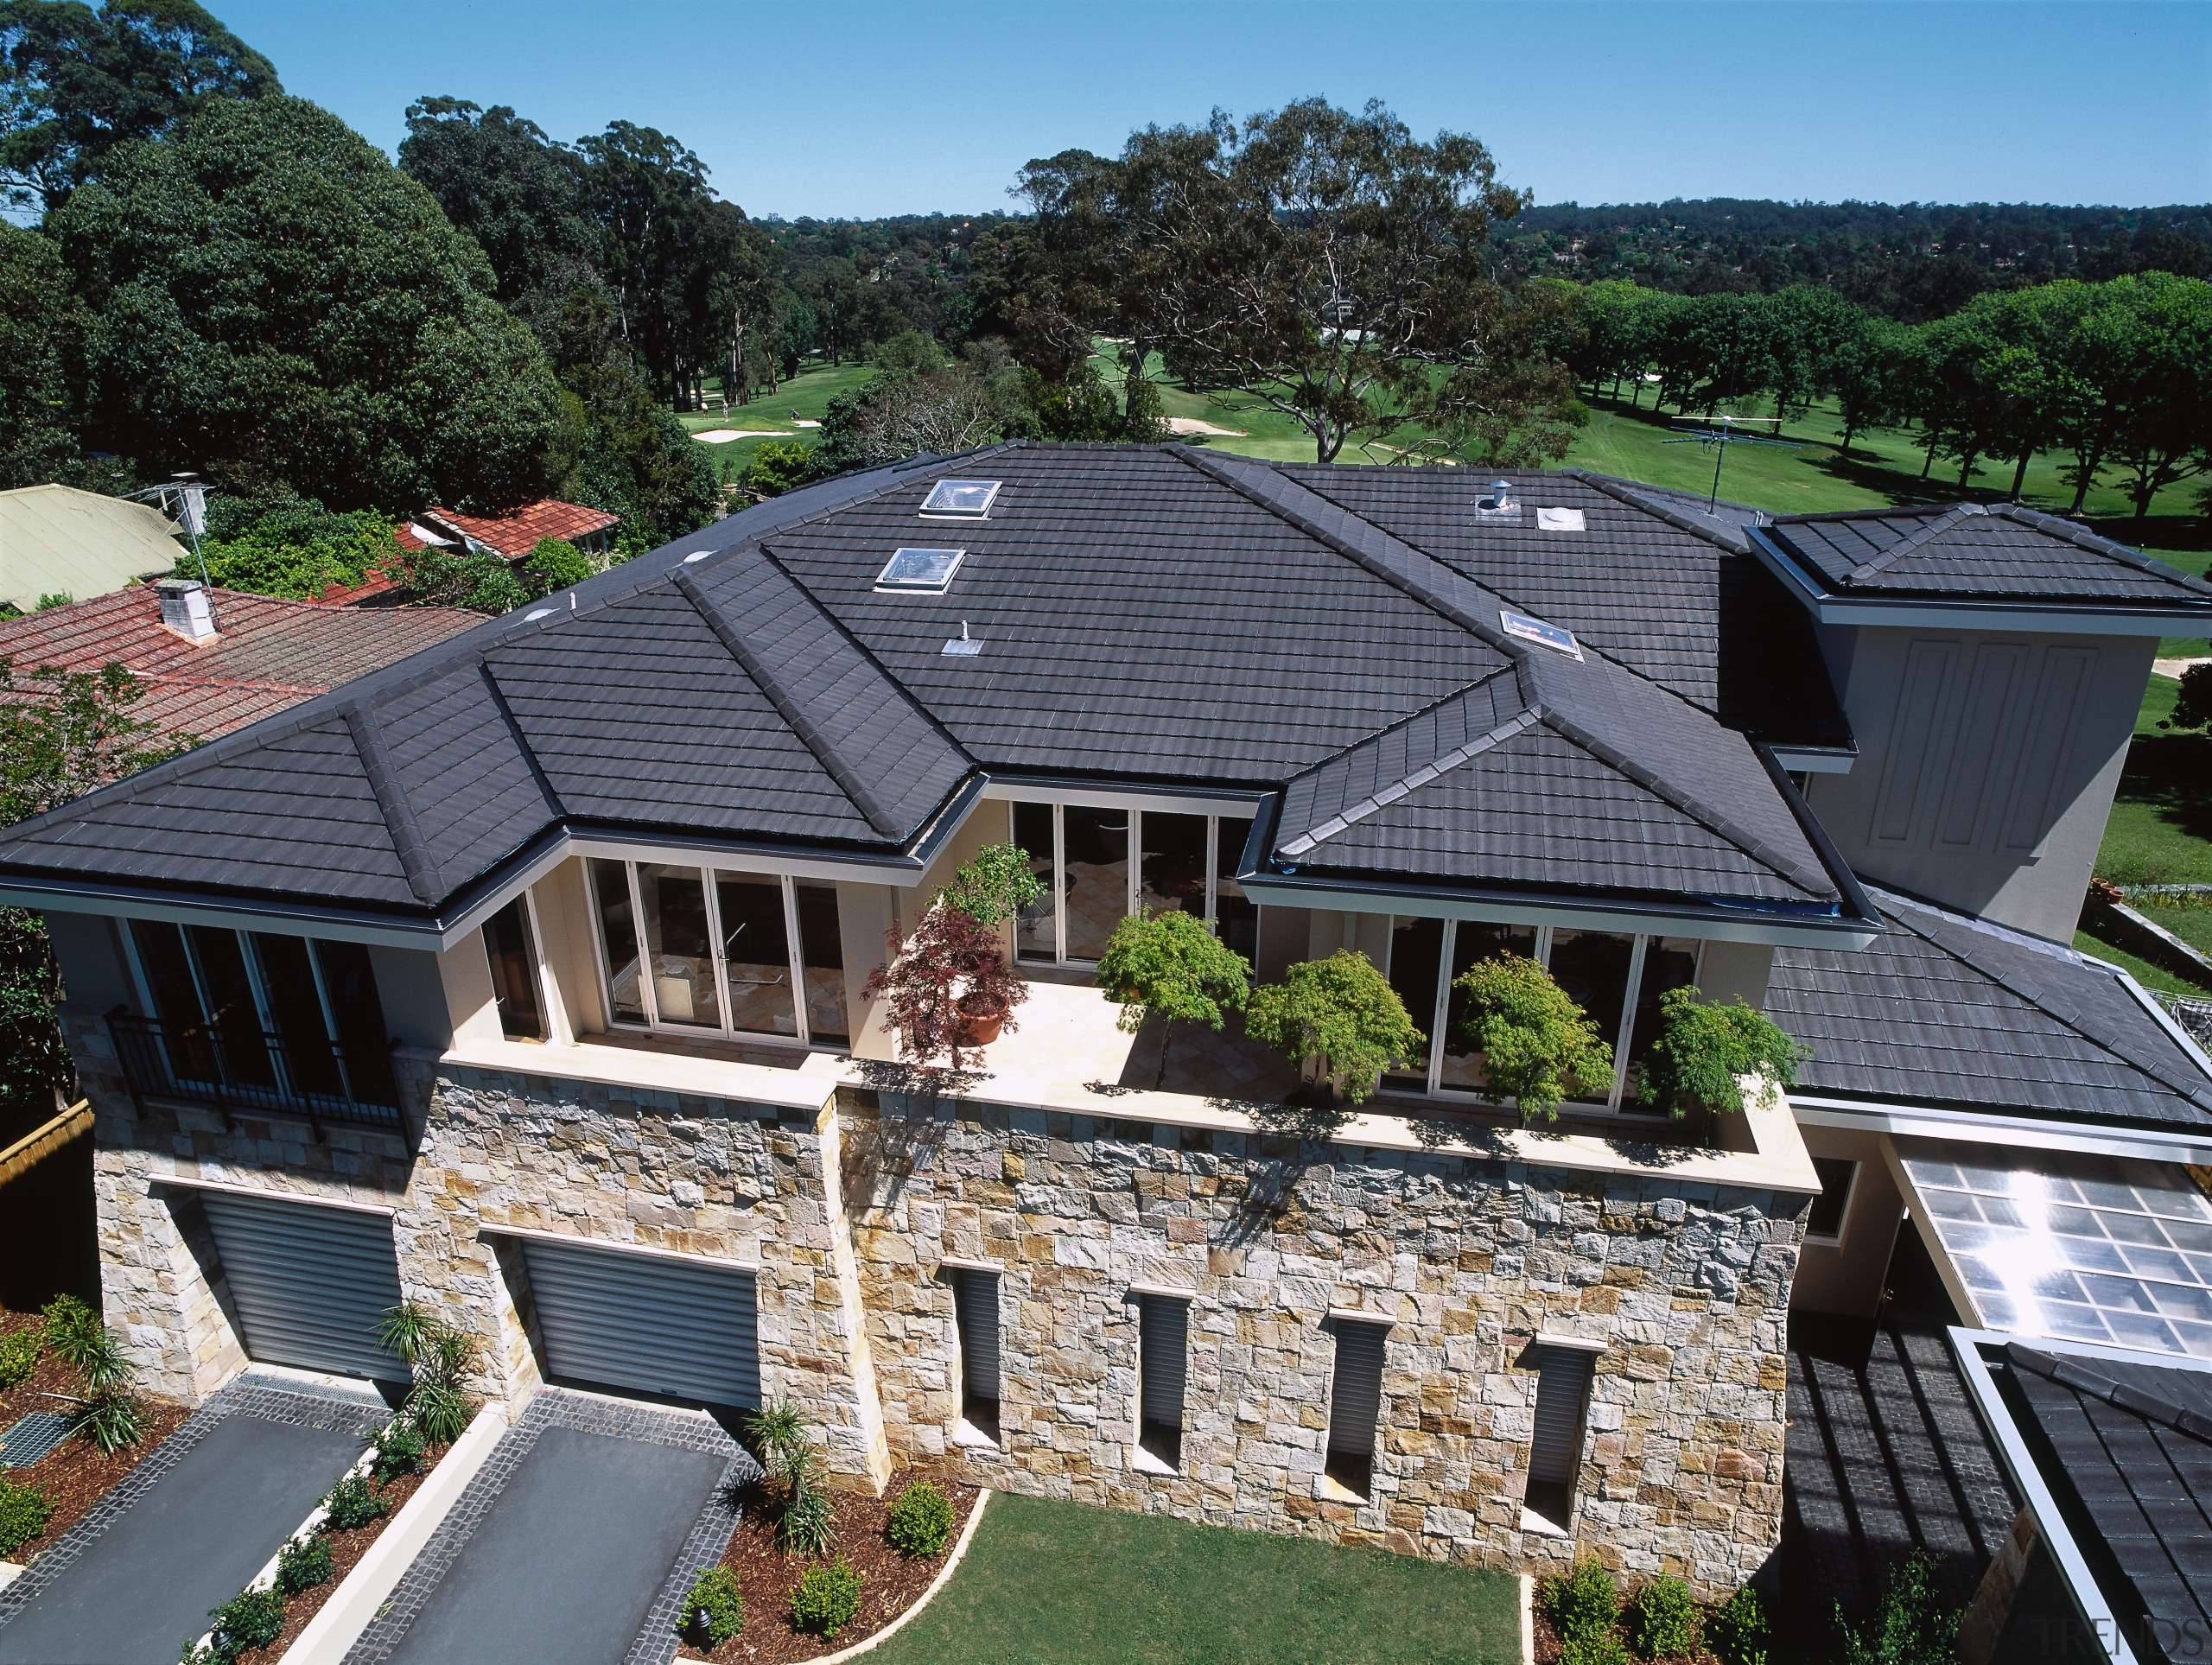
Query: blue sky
x=865, y=109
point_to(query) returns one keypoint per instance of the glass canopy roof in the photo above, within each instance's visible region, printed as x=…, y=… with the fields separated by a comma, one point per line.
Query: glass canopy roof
x=2066, y=1244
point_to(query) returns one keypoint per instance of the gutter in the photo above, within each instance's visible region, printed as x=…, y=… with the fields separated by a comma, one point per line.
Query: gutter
x=1995, y=1127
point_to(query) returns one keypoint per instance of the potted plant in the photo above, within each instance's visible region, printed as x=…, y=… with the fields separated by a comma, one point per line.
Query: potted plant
x=1171, y=964
x=1340, y=1020
x=1539, y=1046
x=1704, y=1053
x=948, y=986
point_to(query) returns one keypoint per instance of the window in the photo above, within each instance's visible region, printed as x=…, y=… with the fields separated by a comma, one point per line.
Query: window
x=1355, y=1403
x=743, y=955
x=1555, y=1450
x=512, y=946
x=1535, y=630
x=252, y=1009
x=1598, y=969
x=967, y=500
x=1163, y=1343
x=1839, y=1176
x=1097, y=866
x=923, y=572
x=975, y=1313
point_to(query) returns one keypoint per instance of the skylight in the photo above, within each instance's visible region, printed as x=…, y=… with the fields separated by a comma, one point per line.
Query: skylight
x=920, y=572
x=967, y=500
x=1559, y=520
x=1535, y=630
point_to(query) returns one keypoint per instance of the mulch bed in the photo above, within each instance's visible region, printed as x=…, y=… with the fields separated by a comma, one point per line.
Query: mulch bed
x=347, y=1549
x=73, y=1475
x=891, y=1582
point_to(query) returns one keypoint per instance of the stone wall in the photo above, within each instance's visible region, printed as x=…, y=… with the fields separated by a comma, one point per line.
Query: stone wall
x=1685, y=1283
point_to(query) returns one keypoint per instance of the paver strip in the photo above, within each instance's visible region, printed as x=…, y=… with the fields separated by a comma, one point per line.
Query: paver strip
x=131, y=1583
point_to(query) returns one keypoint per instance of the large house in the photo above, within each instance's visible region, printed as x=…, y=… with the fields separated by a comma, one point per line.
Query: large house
x=524, y=977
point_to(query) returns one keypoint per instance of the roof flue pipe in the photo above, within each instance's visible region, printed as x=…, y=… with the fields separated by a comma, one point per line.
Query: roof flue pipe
x=184, y=608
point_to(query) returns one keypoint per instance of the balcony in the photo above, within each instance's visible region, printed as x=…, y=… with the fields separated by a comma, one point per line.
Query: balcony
x=237, y=1068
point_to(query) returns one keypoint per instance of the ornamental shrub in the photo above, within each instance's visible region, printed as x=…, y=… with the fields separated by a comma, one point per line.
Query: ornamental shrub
x=19, y=1356
x=1172, y=965
x=806, y=1517
x=1702, y=1052
x=401, y=1449
x=776, y=1428
x=825, y=1599
x=558, y=563
x=1341, y=1010
x=779, y=466
x=1582, y=1604
x=24, y=1511
x=302, y=1563
x=1912, y=1628
x=63, y=1320
x=1736, y=1632
x=1600, y=1647
x=920, y=1522
x=714, y=1611
x=993, y=886
x=352, y=1502
x=1664, y=1621
x=252, y=1618
x=1539, y=1046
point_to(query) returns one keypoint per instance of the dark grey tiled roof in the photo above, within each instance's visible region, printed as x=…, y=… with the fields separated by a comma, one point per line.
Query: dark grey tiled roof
x=1947, y=1012
x=1676, y=596
x=2126, y=1447
x=1969, y=550
x=1145, y=613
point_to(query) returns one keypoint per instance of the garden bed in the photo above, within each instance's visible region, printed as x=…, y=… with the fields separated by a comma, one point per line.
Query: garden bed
x=892, y=1582
x=347, y=1549
x=74, y=1476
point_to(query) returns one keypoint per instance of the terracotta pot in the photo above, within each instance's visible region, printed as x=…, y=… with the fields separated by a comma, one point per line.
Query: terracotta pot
x=980, y=1025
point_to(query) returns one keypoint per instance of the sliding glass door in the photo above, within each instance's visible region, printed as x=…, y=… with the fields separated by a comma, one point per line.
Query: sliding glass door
x=1098, y=865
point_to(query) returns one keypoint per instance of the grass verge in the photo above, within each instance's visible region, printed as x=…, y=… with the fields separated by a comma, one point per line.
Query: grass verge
x=1046, y=1582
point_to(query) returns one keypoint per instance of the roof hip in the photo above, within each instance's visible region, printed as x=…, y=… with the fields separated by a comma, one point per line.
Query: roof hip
x=407, y=840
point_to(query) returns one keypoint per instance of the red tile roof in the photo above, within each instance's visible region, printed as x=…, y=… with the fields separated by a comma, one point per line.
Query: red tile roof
x=516, y=533
x=268, y=654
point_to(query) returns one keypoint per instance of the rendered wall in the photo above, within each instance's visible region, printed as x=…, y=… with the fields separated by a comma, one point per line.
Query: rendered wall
x=1845, y=1277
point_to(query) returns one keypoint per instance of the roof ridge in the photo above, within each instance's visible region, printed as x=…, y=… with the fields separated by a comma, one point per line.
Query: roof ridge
x=795, y=717
x=2082, y=537
x=2077, y=1375
x=407, y=840
x=1905, y=546
x=1963, y=948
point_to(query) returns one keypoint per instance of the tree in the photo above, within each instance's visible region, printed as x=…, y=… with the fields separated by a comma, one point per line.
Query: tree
x=2193, y=709
x=1863, y=371
x=659, y=238
x=1703, y=1052
x=479, y=581
x=1325, y=265
x=2156, y=381
x=1168, y=964
x=1340, y=1011
x=76, y=83
x=993, y=886
x=278, y=306
x=289, y=546
x=511, y=187
x=950, y=960
x=904, y=411
x=1539, y=1046
x=37, y=322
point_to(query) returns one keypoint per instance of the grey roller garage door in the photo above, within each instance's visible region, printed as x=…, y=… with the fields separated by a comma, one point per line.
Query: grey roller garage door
x=311, y=1286
x=680, y=1328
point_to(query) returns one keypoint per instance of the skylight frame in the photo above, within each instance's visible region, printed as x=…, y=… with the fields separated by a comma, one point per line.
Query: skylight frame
x=1523, y=628
x=933, y=510
x=933, y=582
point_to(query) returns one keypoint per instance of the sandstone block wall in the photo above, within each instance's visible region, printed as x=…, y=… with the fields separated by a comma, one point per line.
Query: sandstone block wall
x=1686, y=1284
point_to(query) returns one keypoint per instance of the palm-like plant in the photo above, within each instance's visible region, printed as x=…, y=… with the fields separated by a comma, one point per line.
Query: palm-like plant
x=443, y=1357
x=106, y=1414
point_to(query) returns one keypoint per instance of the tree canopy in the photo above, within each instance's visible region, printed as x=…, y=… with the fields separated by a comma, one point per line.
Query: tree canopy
x=274, y=303
x=1341, y=1011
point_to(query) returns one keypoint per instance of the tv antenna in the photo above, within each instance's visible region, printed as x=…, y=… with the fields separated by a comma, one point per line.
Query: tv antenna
x=1721, y=439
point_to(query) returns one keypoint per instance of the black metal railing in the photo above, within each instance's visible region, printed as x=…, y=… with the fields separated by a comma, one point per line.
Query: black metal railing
x=238, y=1067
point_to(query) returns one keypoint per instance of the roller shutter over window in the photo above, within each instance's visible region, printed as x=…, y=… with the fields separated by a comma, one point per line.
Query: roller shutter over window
x=1356, y=1390
x=683, y=1328
x=1166, y=1339
x=977, y=1293
x=309, y=1286
x=1562, y=1391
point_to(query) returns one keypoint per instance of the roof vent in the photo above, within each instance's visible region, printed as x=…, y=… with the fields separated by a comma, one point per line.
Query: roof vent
x=920, y=572
x=1498, y=503
x=961, y=500
x=963, y=646
x=1561, y=520
x=184, y=609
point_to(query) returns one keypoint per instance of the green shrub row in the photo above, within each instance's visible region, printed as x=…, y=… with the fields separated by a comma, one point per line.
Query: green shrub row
x=1663, y=1621
x=24, y=1511
x=19, y=1356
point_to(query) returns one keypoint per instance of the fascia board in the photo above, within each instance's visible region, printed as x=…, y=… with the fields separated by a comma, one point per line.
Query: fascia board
x=1814, y=760
x=2027, y=1480
x=2046, y=617
x=1995, y=1128
x=1510, y=908
x=1095, y=795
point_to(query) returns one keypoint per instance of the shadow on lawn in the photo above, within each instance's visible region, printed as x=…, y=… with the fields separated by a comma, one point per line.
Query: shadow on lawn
x=2173, y=773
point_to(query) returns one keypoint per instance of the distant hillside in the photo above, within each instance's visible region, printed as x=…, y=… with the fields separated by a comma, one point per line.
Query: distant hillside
x=1914, y=262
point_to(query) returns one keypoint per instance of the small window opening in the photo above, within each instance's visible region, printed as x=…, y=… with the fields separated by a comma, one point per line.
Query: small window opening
x=1839, y=1175
x=969, y=499
x=975, y=1311
x=920, y=572
x=512, y=948
x=1555, y=1452
x=1354, y=1404
x=1164, y=1332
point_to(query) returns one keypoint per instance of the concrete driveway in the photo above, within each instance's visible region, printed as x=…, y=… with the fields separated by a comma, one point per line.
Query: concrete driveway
x=131, y=1583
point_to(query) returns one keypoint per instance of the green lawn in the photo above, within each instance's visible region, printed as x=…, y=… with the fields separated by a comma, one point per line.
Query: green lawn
x=806, y=395
x=1047, y=1583
x=2143, y=971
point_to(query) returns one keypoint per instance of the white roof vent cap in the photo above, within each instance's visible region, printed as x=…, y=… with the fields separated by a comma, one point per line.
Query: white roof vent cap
x=1498, y=503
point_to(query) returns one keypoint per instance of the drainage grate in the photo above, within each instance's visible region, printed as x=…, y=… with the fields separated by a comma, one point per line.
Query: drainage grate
x=32, y=1438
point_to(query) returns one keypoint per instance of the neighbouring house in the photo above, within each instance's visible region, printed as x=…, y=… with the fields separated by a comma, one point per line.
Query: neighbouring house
x=510, y=536
x=524, y=978
x=56, y=540
x=214, y=661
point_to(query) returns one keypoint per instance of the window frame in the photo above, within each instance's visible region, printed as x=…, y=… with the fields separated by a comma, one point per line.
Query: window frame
x=1133, y=887
x=723, y=1029
x=1817, y=1240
